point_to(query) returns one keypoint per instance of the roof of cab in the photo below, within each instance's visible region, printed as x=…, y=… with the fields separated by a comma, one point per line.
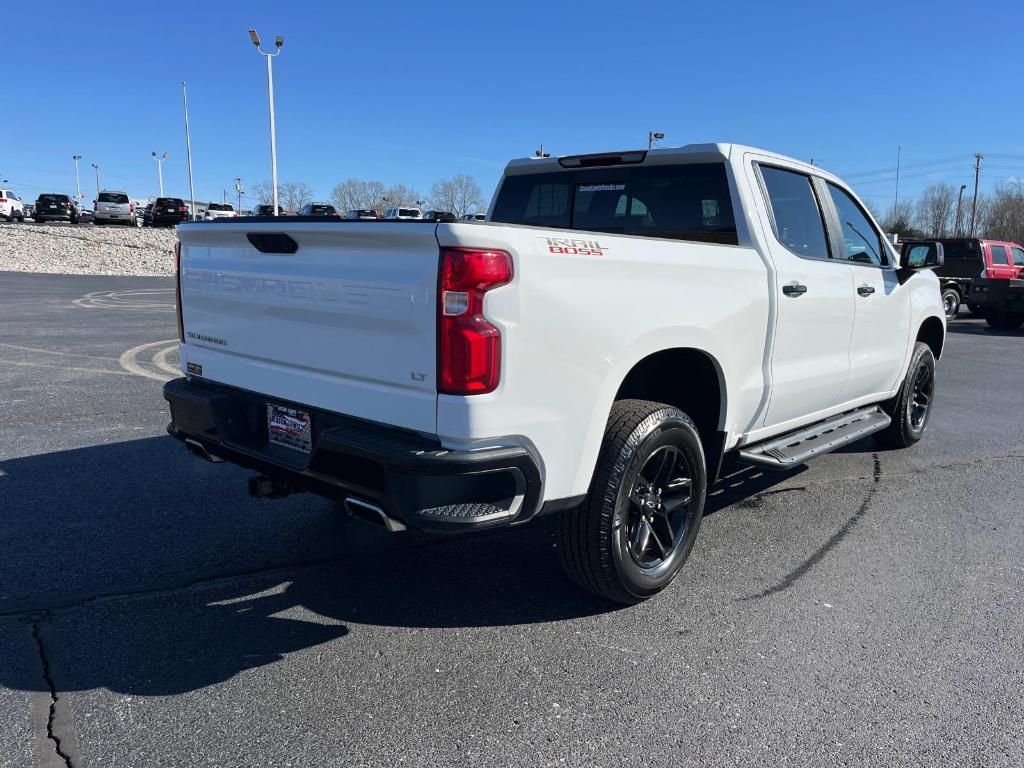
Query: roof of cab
x=663, y=156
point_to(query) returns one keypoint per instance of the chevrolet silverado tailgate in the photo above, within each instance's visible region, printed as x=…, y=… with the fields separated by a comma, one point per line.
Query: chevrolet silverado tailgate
x=336, y=315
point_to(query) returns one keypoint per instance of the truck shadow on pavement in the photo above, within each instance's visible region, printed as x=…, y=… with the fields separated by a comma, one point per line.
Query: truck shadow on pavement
x=148, y=572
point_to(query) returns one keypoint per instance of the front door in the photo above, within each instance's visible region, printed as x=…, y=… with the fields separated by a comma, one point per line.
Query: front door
x=881, y=328
x=815, y=298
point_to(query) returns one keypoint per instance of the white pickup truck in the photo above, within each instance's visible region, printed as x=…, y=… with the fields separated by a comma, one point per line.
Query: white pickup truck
x=616, y=325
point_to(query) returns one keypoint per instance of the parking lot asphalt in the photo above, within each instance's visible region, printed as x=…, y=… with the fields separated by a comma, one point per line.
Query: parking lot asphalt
x=865, y=610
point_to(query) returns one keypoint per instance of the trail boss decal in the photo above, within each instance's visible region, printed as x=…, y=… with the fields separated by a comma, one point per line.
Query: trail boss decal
x=571, y=247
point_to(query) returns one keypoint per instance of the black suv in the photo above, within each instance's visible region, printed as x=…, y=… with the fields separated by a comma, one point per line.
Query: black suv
x=438, y=216
x=167, y=211
x=54, y=207
x=317, y=209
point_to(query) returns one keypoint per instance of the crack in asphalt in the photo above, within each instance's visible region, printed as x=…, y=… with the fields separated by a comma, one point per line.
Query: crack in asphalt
x=52, y=719
x=804, y=568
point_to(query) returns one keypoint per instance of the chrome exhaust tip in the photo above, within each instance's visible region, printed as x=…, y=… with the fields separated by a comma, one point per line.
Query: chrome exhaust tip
x=371, y=513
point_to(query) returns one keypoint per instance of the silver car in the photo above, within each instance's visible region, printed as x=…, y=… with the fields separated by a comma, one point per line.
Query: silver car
x=114, y=208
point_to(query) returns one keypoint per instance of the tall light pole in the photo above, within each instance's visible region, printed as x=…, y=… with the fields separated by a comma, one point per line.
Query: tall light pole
x=160, y=168
x=278, y=42
x=959, y=203
x=97, y=169
x=78, y=183
x=653, y=137
x=188, y=151
x=238, y=191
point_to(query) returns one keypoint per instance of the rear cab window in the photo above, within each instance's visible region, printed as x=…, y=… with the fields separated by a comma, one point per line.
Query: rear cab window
x=681, y=202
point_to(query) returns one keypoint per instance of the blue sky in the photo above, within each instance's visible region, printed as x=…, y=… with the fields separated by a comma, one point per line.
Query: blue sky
x=410, y=92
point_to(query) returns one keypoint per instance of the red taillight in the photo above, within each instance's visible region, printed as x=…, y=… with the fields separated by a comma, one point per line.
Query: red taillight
x=469, y=347
x=177, y=290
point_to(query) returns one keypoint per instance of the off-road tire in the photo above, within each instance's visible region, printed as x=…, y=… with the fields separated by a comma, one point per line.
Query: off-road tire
x=591, y=537
x=903, y=432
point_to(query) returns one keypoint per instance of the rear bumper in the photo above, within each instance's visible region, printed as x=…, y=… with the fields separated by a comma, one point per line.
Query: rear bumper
x=998, y=295
x=411, y=478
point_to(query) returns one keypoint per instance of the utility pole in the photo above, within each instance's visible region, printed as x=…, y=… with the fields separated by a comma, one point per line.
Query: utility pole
x=959, y=203
x=97, y=169
x=974, y=202
x=896, y=205
x=78, y=184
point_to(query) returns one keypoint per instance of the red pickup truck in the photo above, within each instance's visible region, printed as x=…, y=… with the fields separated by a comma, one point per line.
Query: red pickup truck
x=967, y=259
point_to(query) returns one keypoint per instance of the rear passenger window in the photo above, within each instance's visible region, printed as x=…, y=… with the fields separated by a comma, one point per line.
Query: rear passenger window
x=862, y=241
x=999, y=255
x=796, y=215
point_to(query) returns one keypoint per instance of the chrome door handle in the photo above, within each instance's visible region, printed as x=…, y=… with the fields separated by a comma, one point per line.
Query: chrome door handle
x=865, y=290
x=794, y=289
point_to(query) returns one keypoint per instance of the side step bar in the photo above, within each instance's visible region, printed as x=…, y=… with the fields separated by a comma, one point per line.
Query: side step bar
x=806, y=443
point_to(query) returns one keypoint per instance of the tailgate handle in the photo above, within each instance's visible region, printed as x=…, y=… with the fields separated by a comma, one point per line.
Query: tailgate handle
x=272, y=242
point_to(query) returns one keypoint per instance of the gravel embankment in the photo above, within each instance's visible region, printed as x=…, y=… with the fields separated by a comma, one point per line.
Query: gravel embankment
x=86, y=250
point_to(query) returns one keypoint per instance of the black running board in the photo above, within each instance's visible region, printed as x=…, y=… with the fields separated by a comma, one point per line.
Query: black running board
x=806, y=443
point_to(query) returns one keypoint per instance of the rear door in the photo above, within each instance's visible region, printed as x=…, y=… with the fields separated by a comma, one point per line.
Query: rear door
x=879, y=343
x=999, y=261
x=345, y=323
x=814, y=321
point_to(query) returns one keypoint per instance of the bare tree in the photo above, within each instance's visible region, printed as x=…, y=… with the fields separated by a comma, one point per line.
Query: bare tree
x=985, y=207
x=935, y=210
x=897, y=220
x=399, y=196
x=295, y=194
x=357, y=194
x=1004, y=213
x=292, y=195
x=264, y=192
x=459, y=195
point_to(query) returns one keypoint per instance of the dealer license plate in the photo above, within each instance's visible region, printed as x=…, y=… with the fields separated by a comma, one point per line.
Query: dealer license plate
x=289, y=427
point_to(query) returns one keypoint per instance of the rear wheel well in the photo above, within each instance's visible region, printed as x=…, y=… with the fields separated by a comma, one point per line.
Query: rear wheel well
x=931, y=333
x=689, y=380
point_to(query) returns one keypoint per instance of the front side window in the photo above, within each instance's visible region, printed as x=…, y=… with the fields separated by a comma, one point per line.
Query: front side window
x=680, y=202
x=999, y=255
x=1018, y=257
x=797, y=217
x=862, y=241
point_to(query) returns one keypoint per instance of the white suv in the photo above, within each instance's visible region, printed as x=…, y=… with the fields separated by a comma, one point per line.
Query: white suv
x=11, y=207
x=402, y=213
x=114, y=208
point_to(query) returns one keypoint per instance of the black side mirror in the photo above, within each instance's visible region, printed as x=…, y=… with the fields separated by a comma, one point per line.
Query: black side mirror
x=922, y=255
